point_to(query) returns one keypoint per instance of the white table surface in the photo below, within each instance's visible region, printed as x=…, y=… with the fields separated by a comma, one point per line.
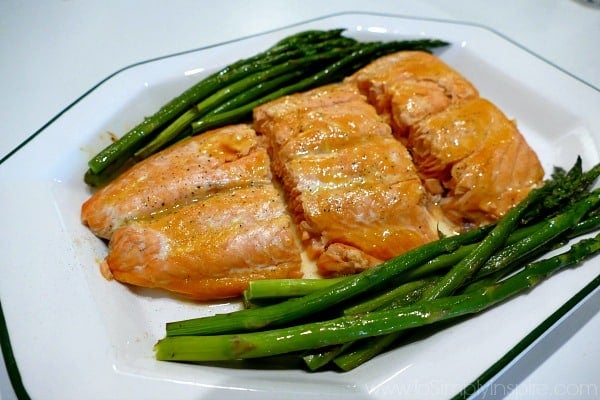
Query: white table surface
x=54, y=51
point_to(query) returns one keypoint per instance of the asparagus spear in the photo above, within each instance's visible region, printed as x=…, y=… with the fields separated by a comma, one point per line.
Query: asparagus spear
x=383, y=339
x=402, y=295
x=564, y=187
x=305, y=64
x=177, y=114
x=484, y=250
x=278, y=288
x=309, y=36
x=296, y=308
x=293, y=46
x=549, y=232
x=328, y=74
x=349, y=328
x=546, y=235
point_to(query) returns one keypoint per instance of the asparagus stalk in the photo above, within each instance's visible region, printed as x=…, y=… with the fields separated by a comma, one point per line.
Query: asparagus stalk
x=350, y=328
x=296, y=308
x=328, y=74
x=319, y=358
x=496, y=269
x=564, y=187
x=484, y=250
x=549, y=232
x=391, y=297
x=294, y=46
x=257, y=91
x=175, y=117
x=278, y=288
x=309, y=36
x=305, y=64
x=402, y=295
x=518, y=245
x=546, y=234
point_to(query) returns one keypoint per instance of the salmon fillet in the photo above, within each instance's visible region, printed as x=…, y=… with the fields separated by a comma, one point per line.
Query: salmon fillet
x=479, y=157
x=209, y=249
x=353, y=173
x=407, y=86
x=201, y=218
x=185, y=172
x=352, y=186
x=465, y=150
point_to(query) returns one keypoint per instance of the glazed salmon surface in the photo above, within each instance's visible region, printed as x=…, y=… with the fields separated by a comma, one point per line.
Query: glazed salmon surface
x=209, y=249
x=407, y=86
x=352, y=186
x=345, y=176
x=465, y=149
x=481, y=159
x=185, y=172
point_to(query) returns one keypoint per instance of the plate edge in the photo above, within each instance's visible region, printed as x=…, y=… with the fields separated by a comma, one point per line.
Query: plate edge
x=14, y=375
x=479, y=383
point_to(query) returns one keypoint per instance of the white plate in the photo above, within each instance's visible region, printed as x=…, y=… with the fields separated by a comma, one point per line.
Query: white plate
x=75, y=335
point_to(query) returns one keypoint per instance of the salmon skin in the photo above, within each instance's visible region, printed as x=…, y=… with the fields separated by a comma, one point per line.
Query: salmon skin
x=352, y=186
x=201, y=218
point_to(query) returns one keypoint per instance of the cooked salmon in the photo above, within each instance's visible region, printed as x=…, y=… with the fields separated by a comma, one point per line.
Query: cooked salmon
x=352, y=173
x=465, y=149
x=209, y=249
x=407, y=86
x=352, y=186
x=185, y=172
x=479, y=157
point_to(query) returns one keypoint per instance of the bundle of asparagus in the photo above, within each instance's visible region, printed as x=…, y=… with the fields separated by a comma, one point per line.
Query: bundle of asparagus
x=298, y=62
x=347, y=321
